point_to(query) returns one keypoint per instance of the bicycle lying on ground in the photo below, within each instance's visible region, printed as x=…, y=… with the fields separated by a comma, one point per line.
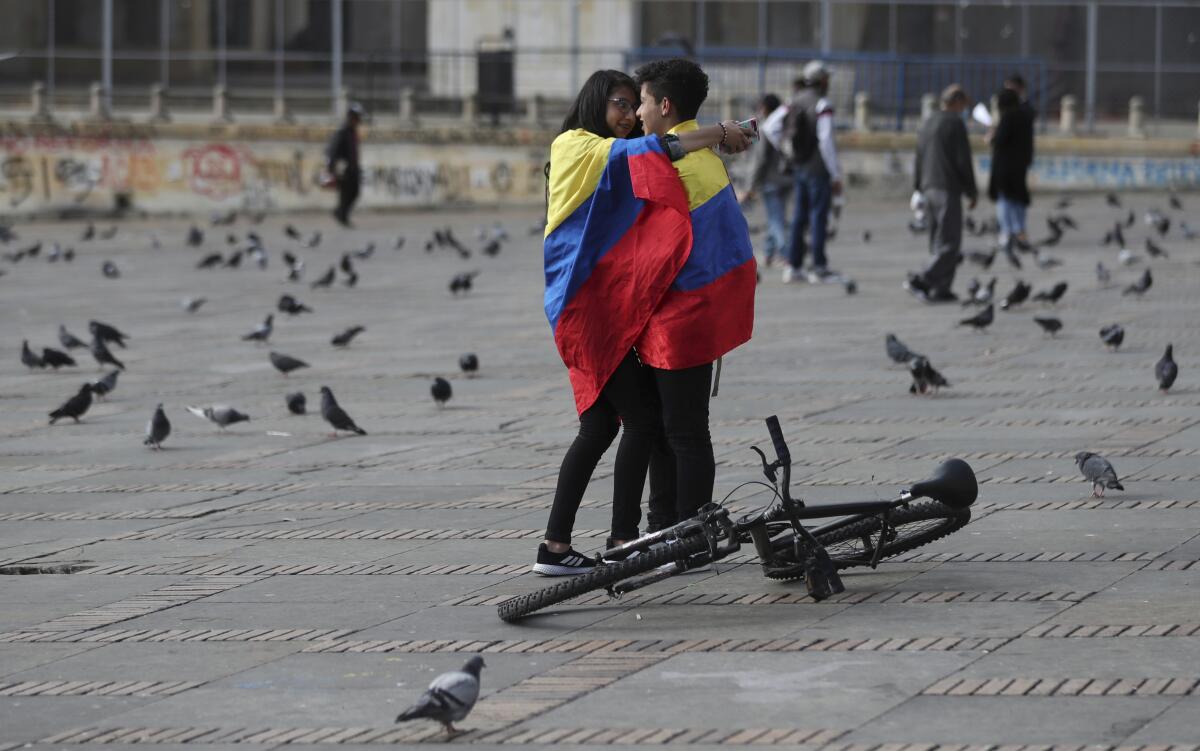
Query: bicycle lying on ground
x=862, y=534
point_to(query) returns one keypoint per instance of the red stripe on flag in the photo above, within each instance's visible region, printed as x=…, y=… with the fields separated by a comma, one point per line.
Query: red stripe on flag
x=698, y=326
x=607, y=313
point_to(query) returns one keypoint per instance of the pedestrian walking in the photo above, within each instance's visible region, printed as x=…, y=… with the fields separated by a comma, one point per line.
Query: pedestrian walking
x=342, y=163
x=1012, y=143
x=805, y=137
x=771, y=178
x=943, y=174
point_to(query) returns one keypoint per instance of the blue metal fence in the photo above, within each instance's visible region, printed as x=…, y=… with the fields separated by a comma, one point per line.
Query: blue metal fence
x=895, y=83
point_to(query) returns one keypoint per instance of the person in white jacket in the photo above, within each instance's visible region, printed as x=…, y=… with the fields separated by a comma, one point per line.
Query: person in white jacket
x=804, y=133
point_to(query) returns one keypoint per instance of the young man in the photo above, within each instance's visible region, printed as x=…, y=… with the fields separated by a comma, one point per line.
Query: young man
x=709, y=309
x=942, y=175
x=343, y=163
x=805, y=136
x=770, y=177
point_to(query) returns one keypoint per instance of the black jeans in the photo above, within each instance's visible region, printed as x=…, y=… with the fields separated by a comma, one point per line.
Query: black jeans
x=628, y=399
x=684, y=397
x=348, y=188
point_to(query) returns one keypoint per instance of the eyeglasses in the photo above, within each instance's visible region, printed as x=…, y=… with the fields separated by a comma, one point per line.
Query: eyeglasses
x=623, y=104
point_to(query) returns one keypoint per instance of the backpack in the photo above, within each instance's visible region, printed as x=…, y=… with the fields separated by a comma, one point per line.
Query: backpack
x=799, y=135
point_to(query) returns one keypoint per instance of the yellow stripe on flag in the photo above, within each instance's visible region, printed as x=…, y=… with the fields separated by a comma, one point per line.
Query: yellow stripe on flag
x=577, y=160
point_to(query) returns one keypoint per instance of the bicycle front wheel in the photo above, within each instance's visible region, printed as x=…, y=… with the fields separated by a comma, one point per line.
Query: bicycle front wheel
x=600, y=577
x=852, y=542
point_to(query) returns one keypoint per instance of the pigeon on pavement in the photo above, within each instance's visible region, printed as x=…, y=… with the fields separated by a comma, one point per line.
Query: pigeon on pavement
x=1017, y=295
x=29, y=358
x=296, y=403
x=157, y=429
x=1103, y=275
x=75, y=406
x=441, y=391
x=326, y=278
x=110, y=270
x=102, y=354
x=343, y=339
x=192, y=304
x=261, y=332
x=449, y=698
x=1140, y=286
x=1166, y=370
x=925, y=377
x=291, y=306
x=1052, y=295
x=462, y=282
x=285, y=363
x=55, y=359
x=1099, y=472
x=104, y=386
x=897, y=350
x=1112, y=335
x=69, y=340
x=107, y=333
x=335, y=415
x=468, y=362
x=220, y=415
x=1049, y=324
x=982, y=320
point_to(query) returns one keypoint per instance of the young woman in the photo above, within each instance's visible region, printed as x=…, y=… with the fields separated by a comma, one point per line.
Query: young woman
x=1011, y=145
x=617, y=232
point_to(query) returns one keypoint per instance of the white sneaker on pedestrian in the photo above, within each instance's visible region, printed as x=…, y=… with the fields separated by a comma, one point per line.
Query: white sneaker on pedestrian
x=792, y=275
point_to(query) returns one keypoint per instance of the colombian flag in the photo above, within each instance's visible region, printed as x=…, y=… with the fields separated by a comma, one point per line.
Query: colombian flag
x=624, y=265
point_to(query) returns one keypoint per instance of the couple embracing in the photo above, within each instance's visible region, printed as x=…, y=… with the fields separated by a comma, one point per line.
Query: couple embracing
x=650, y=278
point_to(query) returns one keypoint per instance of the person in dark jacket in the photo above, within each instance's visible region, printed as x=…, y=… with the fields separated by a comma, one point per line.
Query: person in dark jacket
x=942, y=175
x=343, y=164
x=1012, y=149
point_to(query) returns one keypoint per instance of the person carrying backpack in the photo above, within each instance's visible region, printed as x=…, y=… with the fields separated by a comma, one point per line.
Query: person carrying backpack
x=805, y=136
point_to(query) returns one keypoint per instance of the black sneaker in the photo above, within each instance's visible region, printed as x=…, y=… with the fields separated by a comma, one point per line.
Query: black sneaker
x=561, y=564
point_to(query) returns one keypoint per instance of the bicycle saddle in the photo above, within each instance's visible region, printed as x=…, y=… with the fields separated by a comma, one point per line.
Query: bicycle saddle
x=952, y=483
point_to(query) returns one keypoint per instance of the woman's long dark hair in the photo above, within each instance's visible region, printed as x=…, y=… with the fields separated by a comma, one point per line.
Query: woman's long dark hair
x=590, y=108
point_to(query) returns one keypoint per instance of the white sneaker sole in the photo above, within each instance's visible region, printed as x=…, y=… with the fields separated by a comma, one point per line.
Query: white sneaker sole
x=550, y=569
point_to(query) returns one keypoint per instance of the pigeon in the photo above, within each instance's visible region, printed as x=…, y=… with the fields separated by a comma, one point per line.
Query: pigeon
x=1154, y=250
x=55, y=359
x=1017, y=295
x=1165, y=370
x=983, y=260
x=1112, y=199
x=1052, y=295
x=351, y=279
x=449, y=698
x=363, y=254
x=102, y=387
x=89, y=232
x=291, y=306
x=195, y=237
x=468, y=362
x=1127, y=257
x=1160, y=222
x=984, y=295
x=107, y=333
x=981, y=321
x=75, y=406
x=1175, y=202
x=399, y=243
x=897, y=350
x=1099, y=472
x=1112, y=335
x=1103, y=275
x=109, y=233
x=1045, y=261
x=441, y=391
x=219, y=414
x=286, y=364
x=54, y=253
x=102, y=354
x=1115, y=235
x=346, y=265
x=491, y=249
x=29, y=358
x=1049, y=324
x=33, y=250
x=210, y=261
x=295, y=266
x=313, y=241
x=1140, y=286
x=1130, y=219
x=326, y=279
x=296, y=403
x=261, y=332
x=925, y=378
x=291, y=232
x=110, y=270
x=335, y=415
x=234, y=260
x=157, y=429
x=462, y=282
x=1188, y=232
x=343, y=339
x=192, y=304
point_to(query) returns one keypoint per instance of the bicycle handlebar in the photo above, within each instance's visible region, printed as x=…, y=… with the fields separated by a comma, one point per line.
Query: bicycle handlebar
x=782, y=454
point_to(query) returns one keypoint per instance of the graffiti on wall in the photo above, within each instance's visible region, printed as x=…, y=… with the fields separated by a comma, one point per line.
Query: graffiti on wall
x=1055, y=171
x=171, y=174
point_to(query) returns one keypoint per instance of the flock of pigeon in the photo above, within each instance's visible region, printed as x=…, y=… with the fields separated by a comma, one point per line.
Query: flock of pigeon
x=250, y=246
x=927, y=380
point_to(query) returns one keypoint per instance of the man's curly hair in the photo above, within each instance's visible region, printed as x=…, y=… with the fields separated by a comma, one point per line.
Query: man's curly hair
x=677, y=79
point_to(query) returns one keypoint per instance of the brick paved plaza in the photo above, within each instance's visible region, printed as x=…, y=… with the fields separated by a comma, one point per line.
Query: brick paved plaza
x=268, y=585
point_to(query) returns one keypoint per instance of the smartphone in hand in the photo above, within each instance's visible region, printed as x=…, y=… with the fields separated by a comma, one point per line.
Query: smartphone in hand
x=751, y=124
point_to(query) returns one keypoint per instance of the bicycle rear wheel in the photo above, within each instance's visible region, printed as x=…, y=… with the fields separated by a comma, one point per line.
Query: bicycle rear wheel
x=852, y=542
x=600, y=577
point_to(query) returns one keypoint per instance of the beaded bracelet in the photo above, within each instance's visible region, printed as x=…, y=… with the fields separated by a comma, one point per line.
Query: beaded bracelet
x=724, y=133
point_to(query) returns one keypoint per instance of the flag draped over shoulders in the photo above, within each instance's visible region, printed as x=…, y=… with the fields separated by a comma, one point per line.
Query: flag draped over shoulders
x=709, y=309
x=618, y=234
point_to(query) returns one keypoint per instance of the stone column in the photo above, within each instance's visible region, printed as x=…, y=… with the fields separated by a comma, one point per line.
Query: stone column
x=408, y=105
x=928, y=106
x=533, y=110
x=342, y=103
x=221, y=111
x=97, y=106
x=282, y=113
x=39, y=105
x=470, y=109
x=862, y=112
x=727, y=108
x=1066, y=118
x=158, y=104
x=1137, y=117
